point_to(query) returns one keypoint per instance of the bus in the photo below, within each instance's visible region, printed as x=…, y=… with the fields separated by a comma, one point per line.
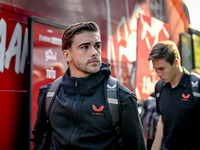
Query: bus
x=30, y=50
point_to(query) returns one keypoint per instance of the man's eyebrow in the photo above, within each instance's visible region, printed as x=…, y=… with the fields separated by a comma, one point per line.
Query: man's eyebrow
x=98, y=43
x=162, y=67
x=83, y=44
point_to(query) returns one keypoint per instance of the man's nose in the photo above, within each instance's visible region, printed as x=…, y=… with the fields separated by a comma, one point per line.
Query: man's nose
x=94, y=52
x=159, y=73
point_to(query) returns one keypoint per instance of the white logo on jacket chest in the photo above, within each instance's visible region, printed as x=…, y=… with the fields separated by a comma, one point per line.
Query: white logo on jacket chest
x=195, y=84
x=111, y=88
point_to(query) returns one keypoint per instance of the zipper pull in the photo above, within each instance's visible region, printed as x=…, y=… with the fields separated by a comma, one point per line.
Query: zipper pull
x=76, y=84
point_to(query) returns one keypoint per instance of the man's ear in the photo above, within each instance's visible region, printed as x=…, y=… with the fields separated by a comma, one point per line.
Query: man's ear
x=66, y=55
x=177, y=62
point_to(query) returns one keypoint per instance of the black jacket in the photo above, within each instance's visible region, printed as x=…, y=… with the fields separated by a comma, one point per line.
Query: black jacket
x=79, y=116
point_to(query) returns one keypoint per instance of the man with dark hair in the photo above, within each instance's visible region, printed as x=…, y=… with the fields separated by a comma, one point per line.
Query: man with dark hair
x=80, y=117
x=176, y=102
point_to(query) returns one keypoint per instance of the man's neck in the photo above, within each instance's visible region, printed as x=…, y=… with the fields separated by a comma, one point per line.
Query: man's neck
x=177, y=78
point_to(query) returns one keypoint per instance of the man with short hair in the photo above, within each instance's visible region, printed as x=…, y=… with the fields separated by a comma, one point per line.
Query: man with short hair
x=179, y=124
x=79, y=116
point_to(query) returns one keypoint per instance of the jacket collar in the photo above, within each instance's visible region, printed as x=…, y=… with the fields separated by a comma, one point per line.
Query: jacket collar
x=184, y=80
x=84, y=85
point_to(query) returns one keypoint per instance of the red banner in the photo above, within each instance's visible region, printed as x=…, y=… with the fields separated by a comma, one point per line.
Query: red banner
x=150, y=31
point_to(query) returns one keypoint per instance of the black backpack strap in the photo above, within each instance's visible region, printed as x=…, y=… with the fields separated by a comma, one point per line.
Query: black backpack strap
x=158, y=89
x=114, y=106
x=51, y=95
x=113, y=99
x=194, y=78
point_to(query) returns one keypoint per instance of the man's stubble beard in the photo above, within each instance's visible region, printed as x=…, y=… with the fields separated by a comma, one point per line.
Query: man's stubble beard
x=84, y=67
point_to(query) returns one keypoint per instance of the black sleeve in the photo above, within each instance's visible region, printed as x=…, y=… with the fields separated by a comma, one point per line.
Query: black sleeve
x=40, y=125
x=158, y=89
x=157, y=106
x=132, y=131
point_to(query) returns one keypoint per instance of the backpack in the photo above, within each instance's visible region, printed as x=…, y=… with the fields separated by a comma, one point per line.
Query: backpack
x=112, y=103
x=149, y=117
x=194, y=78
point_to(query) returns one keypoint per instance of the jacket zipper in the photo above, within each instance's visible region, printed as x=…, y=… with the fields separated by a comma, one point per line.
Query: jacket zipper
x=75, y=131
